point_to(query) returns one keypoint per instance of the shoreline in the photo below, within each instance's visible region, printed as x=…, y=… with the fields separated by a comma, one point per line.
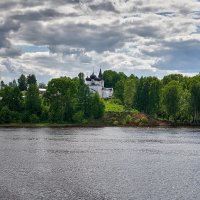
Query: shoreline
x=94, y=126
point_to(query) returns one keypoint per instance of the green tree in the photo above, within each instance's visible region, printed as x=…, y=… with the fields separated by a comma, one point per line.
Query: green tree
x=147, y=97
x=141, y=96
x=97, y=106
x=33, y=100
x=5, y=115
x=31, y=80
x=186, y=106
x=171, y=98
x=172, y=77
x=84, y=98
x=129, y=92
x=119, y=90
x=195, y=99
x=111, y=78
x=61, y=95
x=22, y=83
x=78, y=117
x=12, y=98
x=154, y=96
x=2, y=85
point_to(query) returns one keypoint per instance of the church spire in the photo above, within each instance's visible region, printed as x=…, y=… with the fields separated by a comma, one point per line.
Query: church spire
x=100, y=74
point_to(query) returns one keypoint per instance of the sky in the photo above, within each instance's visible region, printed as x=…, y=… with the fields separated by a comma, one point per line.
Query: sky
x=53, y=38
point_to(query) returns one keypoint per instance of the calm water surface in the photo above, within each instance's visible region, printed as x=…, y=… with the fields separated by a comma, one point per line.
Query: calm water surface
x=100, y=163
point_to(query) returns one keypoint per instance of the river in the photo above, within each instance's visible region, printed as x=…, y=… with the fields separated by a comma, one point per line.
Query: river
x=100, y=163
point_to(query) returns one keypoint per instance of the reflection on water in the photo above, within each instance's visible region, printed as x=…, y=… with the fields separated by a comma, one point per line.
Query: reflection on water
x=100, y=163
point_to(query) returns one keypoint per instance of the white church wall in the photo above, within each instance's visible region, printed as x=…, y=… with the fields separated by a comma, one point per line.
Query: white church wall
x=98, y=86
x=107, y=93
x=88, y=82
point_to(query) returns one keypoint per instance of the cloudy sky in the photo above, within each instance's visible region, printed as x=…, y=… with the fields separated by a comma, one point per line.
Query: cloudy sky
x=53, y=38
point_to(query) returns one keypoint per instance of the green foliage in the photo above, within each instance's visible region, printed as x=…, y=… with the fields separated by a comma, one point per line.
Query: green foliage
x=195, y=99
x=12, y=98
x=22, y=83
x=111, y=106
x=175, y=96
x=70, y=100
x=97, y=106
x=129, y=92
x=31, y=80
x=2, y=85
x=78, y=117
x=111, y=78
x=34, y=118
x=5, y=115
x=33, y=101
x=147, y=97
x=119, y=90
x=115, y=123
x=172, y=77
x=185, y=105
x=143, y=121
x=171, y=98
x=60, y=95
x=128, y=119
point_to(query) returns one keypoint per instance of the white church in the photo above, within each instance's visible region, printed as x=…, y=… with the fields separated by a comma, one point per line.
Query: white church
x=96, y=84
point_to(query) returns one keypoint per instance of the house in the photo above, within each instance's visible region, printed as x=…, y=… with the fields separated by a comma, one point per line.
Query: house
x=42, y=90
x=96, y=84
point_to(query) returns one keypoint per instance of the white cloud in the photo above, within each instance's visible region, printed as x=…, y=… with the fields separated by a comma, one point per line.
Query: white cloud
x=146, y=37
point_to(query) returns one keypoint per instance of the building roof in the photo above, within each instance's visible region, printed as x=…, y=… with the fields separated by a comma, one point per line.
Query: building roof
x=93, y=76
x=100, y=74
x=88, y=79
x=42, y=90
x=97, y=79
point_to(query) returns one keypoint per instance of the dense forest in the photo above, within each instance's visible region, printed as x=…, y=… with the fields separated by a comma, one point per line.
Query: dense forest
x=68, y=100
x=175, y=97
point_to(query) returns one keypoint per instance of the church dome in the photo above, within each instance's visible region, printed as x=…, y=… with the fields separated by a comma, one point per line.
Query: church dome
x=88, y=79
x=97, y=79
x=93, y=76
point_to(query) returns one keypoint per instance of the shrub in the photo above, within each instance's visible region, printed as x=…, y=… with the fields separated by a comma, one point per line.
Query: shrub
x=128, y=119
x=25, y=116
x=34, y=118
x=78, y=117
x=143, y=121
x=113, y=107
x=5, y=115
x=16, y=117
x=116, y=123
x=115, y=101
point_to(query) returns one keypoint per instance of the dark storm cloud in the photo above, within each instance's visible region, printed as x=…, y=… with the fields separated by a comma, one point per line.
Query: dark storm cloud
x=87, y=36
x=6, y=48
x=146, y=31
x=106, y=6
x=179, y=55
x=10, y=52
x=66, y=50
x=12, y=4
x=36, y=15
x=9, y=66
x=9, y=25
x=5, y=5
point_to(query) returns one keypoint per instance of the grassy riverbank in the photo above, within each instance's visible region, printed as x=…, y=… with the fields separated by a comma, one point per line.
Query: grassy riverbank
x=116, y=115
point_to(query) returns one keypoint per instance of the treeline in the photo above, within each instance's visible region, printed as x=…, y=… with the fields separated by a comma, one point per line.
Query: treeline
x=69, y=100
x=175, y=97
x=66, y=100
